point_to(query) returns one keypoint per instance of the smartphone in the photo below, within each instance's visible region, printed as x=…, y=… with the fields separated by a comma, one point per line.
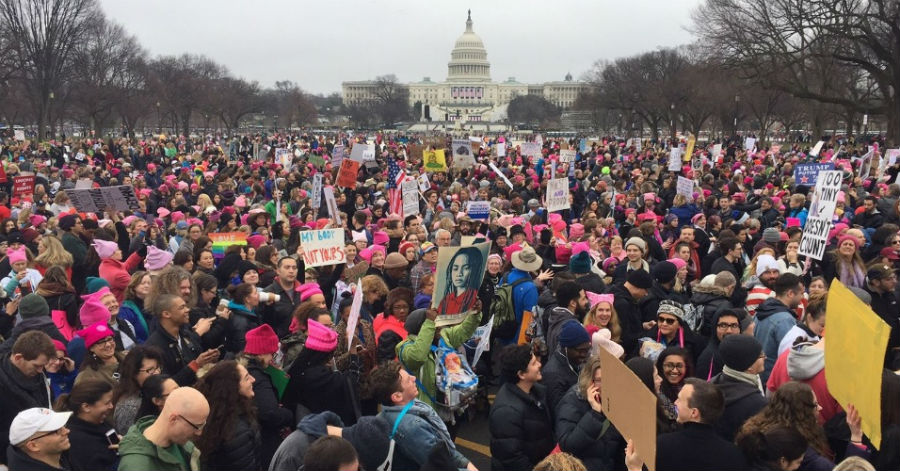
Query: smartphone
x=112, y=437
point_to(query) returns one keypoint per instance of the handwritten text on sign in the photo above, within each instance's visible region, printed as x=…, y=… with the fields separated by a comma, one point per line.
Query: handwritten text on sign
x=558, y=194
x=323, y=247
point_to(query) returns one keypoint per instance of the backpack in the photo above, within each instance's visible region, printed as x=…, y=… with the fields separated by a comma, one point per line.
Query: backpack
x=503, y=309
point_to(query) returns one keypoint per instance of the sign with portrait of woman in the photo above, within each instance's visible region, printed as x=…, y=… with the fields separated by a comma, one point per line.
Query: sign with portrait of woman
x=460, y=271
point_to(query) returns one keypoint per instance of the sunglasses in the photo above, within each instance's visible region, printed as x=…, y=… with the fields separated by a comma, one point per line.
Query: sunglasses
x=667, y=320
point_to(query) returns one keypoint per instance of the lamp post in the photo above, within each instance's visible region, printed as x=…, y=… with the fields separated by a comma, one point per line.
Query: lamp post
x=158, y=122
x=737, y=103
x=672, y=119
x=275, y=123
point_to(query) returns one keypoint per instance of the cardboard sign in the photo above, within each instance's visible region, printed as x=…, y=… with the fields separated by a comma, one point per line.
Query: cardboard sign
x=856, y=343
x=557, y=194
x=808, y=174
x=816, y=149
x=353, y=318
x=685, y=186
x=460, y=271
x=435, y=161
x=824, y=198
x=362, y=152
x=689, y=151
x=815, y=237
x=317, y=191
x=630, y=406
x=749, y=144
x=317, y=160
x=462, y=154
x=480, y=210
x=331, y=204
x=567, y=155
x=23, y=185
x=323, y=247
x=119, y=198
x=348, y=172
x=410, y=197
x=414, y=151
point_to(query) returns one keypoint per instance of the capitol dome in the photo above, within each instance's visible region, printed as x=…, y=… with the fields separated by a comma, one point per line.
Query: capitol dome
x=468, y=61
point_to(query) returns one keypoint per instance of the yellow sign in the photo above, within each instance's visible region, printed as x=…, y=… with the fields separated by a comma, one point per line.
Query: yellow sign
x=689, y=150
x=854, y=353
x=435, y=161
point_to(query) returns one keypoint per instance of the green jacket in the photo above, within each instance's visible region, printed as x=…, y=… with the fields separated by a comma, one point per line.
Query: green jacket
x=418, y=359
x=136, y=453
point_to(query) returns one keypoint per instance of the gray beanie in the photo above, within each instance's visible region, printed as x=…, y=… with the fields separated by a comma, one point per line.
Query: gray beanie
x=32, y=306
x=414, y=321
x=771, y=235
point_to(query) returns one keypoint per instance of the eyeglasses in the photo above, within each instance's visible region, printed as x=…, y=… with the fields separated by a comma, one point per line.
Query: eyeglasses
x=151, y=371
x=667, y=320
x=727, y=326
x=58, y=431
x=673, y=366
x=198, y=428
x=105, y=340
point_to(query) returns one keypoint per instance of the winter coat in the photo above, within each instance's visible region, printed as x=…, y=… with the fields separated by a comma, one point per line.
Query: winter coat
x=588, y=434
x=133, y=312
x=697, y=447
x=558, y=316
x=117, y=274
x=139, y=454
x=649, y=305
x=558, y=377
x=711, y=302
x=219, y=329
x=521, y=429
x=43, y=323
x=90, y=449
x=629, y=317
x=272, y=416
x=240, y=452
x=319, y=389
x=280, y=313
x=773, y=321
x=242, y=320
x=742, y=401
x=417, y=433
x=18, y=392
x=591, y=282
x=177, y=363
x=17, y=459
x=68, y=303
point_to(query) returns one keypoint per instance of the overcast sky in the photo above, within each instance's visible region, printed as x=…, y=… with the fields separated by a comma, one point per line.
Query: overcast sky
x=319, y=44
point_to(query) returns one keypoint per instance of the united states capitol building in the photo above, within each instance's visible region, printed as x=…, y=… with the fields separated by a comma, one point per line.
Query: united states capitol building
x=469, y=95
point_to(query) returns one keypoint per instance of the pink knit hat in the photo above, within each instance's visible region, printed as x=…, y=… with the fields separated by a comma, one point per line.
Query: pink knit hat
x=95, y=333
x=157, y=259
x=576, y=231
x=679, y=263
x=105, y=248
x=380, y=238
x=308, y=290
x=93, y=311
x=17, y=255
x=378, y=248
x=320, y=338
x=261, y=341
x=256, y=240
x=579, y=247
x=366, y=254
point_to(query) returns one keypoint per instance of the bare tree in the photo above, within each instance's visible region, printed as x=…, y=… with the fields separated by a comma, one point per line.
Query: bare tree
x=391, y=100
x=182, y=85
x=234, y=99
x=43, y=36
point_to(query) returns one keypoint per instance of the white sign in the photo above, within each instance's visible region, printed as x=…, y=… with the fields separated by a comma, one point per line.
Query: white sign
x=501, y=149
x=285, y=157
x=84, y=184
x=501, y=175
x=824, y=199
x=675, y=159
x=462, y=154
x=353, y=318
x=424, y=184
x=331, y=204
x=362, y=152
x=557, y=194
x=817, y=148
x=317, y=191
x=567, y=155
x=815, y=237
x=716, y=150
x=95, y=200
x=337, y=155
x=483, y=334
x=410, y=198
x=323, y=247
x=531, y=148
x=866, y=165
x=685, y=187
x=19, y=134
x=749, y=144
x=479, y=210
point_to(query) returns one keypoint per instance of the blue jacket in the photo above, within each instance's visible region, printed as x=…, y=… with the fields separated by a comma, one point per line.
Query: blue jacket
x=773, y=321
x=684, y=213
x=801, y=215
x=419, y=431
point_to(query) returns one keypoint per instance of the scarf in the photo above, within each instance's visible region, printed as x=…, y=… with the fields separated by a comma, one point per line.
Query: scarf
x=742, y=376
x=851, y=275
x=47, y=289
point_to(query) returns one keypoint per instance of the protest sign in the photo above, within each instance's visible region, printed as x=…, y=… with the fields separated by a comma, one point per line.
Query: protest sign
x=222, y=240
x=557, y=194
x=460, y=271
x=630, y=406
x=675, y=159
x=317, y=160
x=410, y=198
x=685, y=187
x=816, y=149
x=501, y=149
x=414, y=151
x=567, y=155
x=891, y=155
x=689, y=150
x=749, y=144
x=353, y=318
x=582, y=145
x=716, y=150
x=501, y=175
x=23, y=185
x=462, y=154
x=284, y=157
x=866, y=164
x=532, y=149
x=331, y=204
x=347, y=174
x=424, y=184
x=824, y=198
x=362, y=152
x=480, y=210
x=435, y=161
x=119, y=198
x=807, y=174
x=84, y=184
x=465, y=241
x=483, y=334
x=857, y=341
x=317, y=191
x=19, y=134
x=323, y=247
x=815, y=237
x=337, y=155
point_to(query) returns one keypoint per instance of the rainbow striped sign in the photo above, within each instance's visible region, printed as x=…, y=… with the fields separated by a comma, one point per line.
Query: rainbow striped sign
x=222, y=240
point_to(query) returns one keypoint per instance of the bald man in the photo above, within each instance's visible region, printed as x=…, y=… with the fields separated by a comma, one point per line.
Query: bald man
x=164, y=443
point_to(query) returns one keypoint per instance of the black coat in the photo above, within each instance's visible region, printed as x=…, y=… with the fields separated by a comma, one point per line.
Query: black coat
x=320, y=389
x=558, y=377
x=271, y=415
x=43, y=323
x=239, y=324
x=629, y=317
x=742, y=401
x=521, y=430
x=649, y=304
x=18, y=393
x=17, y=459
x=239, y=453
x=588, y=435
x=90, y=448
x=280, y=313
x=697, y=447
x=177, y=363
x=218, y=331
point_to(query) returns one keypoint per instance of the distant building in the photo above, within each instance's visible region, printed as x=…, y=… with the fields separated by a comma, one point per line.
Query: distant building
x=469, y=94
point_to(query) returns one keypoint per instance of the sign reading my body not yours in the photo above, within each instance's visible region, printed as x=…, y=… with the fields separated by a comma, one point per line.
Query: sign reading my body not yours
x=323, y=247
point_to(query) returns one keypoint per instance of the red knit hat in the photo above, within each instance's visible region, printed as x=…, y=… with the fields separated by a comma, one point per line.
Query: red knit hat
x=261, y=341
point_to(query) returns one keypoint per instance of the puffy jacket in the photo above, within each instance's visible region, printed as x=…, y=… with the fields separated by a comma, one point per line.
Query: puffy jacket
x=319, y=388
x=742, y=401
x=116, y=273
x=18, y=392
x=773, y=321
x=711, y=302
x=44, y=324
x=588, y=434
x=136, y=453
x=558, y=377
x=558, y=316
x=239, y=453
x=521, y=429
x=90, y=449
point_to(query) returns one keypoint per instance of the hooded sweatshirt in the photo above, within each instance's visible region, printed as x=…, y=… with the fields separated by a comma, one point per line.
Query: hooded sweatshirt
x=139, y=454
x=774, y=320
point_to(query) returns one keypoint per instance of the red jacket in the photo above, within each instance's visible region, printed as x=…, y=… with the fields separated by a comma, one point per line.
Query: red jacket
x=118, y=274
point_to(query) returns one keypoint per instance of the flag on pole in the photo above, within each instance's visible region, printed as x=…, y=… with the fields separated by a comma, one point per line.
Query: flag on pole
x=396, y=175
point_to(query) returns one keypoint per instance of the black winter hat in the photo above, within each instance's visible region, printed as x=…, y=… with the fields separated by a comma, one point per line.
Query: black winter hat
x=664, y=271
x=640, y=279
x=739, y=351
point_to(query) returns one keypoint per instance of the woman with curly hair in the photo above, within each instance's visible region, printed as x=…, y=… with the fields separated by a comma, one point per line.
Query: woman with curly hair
x=794, y=406
x=50, y=253
x=231, y=438
x=398, y=305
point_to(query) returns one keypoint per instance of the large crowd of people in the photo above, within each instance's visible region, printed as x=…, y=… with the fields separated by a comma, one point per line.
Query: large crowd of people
x=141, y=339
